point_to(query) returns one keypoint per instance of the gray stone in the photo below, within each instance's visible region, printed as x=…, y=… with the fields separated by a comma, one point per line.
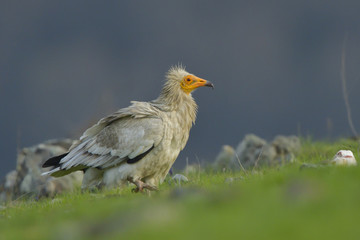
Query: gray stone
x=178, y=178
x=254, y=151
x=26, y=180
x=286, y=144
x=286, y=148
x=7, y=186
x=251, y=151
x=223, y=159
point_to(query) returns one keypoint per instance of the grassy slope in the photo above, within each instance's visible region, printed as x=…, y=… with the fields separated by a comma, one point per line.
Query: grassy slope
x=283, y=203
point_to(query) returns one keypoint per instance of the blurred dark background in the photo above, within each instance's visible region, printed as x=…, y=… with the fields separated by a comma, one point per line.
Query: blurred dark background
x=275, y=66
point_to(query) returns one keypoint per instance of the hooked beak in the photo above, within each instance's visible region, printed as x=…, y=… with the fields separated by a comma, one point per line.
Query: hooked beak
x=209, y=84
x=203, y=83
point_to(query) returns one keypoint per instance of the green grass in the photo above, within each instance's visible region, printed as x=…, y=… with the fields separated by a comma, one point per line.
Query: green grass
x=266, y=203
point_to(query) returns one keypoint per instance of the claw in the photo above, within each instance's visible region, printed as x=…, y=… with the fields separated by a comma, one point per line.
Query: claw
x=140, y=186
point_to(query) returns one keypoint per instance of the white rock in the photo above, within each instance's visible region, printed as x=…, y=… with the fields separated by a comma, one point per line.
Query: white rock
x=178, y=178
x=344, y=157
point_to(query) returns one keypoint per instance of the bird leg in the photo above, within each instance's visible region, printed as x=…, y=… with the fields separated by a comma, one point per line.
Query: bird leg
x=140, y=186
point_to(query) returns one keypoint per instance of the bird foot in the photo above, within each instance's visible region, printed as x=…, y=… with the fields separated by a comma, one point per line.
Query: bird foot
x=140, y=186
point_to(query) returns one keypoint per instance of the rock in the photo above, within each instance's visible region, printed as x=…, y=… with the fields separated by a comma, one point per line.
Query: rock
x=286, y=148
x=179, y=178
x=285, y=144
x=267, y=156
x=254, y=151
x=345, y=158
x=248, y=151
x=26, y=180
x=223, y=159
x=7, y=186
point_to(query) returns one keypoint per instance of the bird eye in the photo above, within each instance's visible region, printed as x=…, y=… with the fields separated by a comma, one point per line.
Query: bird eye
x=188, y=79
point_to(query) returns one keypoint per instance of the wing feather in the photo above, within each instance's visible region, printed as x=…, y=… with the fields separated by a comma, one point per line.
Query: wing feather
x=117, y=138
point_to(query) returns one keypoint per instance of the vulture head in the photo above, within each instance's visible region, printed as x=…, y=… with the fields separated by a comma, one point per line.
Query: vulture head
x=179, y=79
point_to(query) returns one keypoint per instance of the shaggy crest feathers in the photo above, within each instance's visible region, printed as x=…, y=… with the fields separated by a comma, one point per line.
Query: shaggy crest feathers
x=176, y=72
x=173, y=78
x=172, y=96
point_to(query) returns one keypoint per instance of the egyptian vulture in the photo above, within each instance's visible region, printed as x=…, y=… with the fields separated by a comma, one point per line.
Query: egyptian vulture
x=138, y=144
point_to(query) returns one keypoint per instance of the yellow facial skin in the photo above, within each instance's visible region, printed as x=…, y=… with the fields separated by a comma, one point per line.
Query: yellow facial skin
x=191, y=82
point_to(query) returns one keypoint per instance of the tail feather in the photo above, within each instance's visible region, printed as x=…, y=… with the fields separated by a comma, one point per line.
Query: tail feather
x=58, y=170
x=54, y=161
x=51, y=171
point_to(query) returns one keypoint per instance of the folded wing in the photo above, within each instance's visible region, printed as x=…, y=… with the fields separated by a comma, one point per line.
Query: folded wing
x=122, y=137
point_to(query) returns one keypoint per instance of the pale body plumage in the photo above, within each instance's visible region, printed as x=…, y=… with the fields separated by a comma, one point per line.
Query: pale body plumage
x=151, y=134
